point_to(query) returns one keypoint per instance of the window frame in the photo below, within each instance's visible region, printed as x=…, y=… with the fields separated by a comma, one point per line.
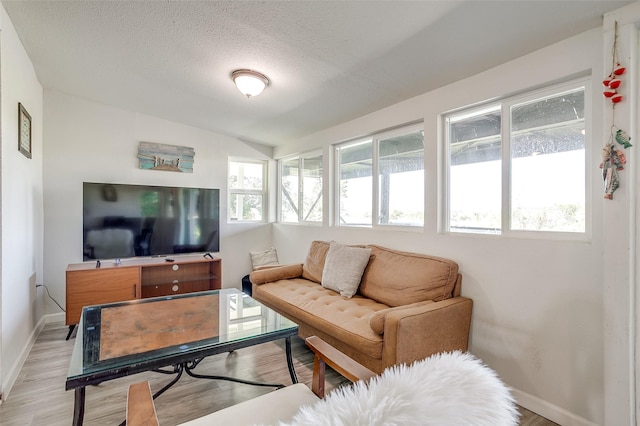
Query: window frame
x=504, y=105
x=300, y=192
x=264, y=192
x=375, y=138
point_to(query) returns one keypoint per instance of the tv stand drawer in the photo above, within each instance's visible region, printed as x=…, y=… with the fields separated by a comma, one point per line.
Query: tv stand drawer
x=174, y=288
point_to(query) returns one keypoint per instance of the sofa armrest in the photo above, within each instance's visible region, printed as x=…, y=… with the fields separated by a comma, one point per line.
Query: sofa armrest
x=268, y=275
x=376, y=321
x=417, y=332
x=140, y=408
x=325, y=354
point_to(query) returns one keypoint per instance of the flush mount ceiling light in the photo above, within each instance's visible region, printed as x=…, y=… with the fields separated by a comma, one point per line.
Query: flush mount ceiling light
x=249, y=83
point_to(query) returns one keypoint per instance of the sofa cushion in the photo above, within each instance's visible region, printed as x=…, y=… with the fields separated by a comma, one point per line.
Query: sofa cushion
x=314, y=262
x=347, y=320
x=343, y=268
x=399, y=278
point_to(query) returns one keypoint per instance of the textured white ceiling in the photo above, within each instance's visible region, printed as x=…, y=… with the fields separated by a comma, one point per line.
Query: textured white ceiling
x=328, y=61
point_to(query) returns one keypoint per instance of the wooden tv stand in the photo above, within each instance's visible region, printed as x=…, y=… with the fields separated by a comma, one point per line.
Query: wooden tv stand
x=136, y=279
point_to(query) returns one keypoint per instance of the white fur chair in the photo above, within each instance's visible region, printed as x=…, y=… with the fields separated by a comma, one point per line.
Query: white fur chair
x=445, y=389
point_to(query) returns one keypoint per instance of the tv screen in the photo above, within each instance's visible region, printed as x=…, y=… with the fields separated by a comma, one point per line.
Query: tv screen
x=121, y=221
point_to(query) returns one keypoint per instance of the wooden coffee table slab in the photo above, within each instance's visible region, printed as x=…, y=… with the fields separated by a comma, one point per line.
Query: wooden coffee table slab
x=151, y=326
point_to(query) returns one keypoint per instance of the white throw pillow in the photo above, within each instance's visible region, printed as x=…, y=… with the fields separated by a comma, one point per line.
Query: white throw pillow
x=264, y=258
x=343, y=268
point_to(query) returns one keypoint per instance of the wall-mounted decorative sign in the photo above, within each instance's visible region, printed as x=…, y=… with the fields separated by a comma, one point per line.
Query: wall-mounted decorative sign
x=24, y=131
x=156, y=156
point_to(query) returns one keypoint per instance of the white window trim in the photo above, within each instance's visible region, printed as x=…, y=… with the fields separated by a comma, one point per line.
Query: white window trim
x=505, y=104
x=264, y=192
x=336, y=180
x=299, y=157
x=374, y=138
x=445, y=164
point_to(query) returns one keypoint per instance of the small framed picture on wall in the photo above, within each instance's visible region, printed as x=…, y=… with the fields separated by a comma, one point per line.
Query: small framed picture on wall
x=24, y=131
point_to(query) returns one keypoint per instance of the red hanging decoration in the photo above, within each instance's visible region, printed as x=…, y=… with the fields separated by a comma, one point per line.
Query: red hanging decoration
x=619, y=69
x=613, y=159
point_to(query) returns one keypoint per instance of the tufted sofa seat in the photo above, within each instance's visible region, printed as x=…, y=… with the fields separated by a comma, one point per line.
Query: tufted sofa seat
x=408, y=305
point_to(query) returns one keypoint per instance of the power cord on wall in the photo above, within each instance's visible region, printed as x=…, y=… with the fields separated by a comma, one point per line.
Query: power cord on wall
x=49, y=294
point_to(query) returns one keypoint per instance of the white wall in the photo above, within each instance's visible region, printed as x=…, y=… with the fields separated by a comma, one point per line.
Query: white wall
x=86, y=141
x=621, y=262
x=22, y=210
x=538, y=308
x=539, y=316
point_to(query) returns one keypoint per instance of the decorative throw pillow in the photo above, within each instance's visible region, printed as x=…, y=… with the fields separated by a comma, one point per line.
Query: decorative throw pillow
x=343, y=268
x=264, y=258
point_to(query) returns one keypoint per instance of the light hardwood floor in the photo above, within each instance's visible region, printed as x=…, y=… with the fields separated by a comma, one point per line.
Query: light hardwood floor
x=38, y=396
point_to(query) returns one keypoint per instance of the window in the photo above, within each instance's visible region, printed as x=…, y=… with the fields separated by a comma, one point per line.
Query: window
x=301, y=189
x=247, y=190
x=519, y=164
x=396, y=158
x=475, y=170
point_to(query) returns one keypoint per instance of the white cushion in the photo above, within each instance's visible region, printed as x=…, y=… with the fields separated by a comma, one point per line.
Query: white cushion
x=343, y=268
x=445, y=389
x=267, y=257
x=278, y=406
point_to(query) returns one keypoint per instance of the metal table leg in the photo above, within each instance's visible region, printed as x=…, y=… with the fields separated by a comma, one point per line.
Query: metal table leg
x=71, y=328
x=189, y=370
x=78, y=406
x=292, y=371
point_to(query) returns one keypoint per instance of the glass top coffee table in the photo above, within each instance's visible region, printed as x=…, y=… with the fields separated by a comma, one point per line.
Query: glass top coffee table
x=120, y=339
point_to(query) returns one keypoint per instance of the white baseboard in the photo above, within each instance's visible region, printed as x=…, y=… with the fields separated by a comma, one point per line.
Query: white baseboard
x=549, y=411
x=11, y=378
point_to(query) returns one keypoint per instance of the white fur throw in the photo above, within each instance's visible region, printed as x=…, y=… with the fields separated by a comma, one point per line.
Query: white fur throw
x=445, y=389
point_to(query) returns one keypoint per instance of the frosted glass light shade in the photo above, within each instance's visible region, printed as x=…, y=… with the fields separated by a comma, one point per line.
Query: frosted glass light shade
x=249, y=83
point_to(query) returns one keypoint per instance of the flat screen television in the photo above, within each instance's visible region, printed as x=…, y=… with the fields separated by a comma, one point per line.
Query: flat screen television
x=121, y=221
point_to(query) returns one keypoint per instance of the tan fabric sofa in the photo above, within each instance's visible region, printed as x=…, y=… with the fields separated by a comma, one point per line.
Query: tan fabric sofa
x=407, y=307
